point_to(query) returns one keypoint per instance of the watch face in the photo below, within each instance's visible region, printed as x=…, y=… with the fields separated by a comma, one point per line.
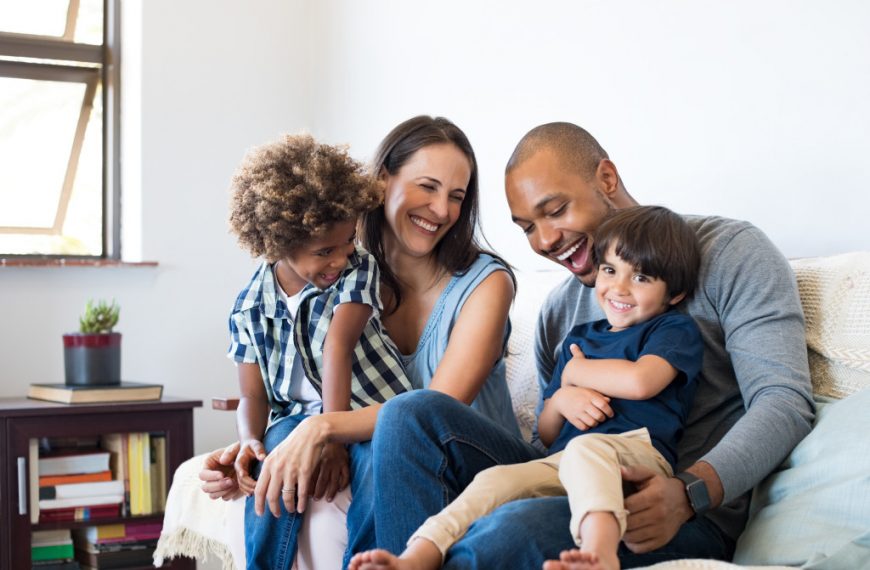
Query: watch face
x=696, y=490
x=698, y=496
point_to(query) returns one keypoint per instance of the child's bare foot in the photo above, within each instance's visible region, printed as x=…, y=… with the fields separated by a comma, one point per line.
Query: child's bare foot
x=575, y=559
x=421, y=555
x=374, y=560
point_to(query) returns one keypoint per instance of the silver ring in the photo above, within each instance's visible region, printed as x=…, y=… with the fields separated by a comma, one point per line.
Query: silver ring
x=291, y=491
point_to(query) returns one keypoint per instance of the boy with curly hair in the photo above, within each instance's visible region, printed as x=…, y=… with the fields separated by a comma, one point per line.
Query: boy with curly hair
x=306, y=330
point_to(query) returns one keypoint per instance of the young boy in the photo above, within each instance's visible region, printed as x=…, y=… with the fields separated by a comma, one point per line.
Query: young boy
x=306, y=331
x=643, y=358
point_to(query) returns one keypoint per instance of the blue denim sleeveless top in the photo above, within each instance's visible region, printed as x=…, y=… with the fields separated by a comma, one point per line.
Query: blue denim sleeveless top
x=494, y=399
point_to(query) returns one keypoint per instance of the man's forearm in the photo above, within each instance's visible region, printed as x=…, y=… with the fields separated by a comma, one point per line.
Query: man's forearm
x=774, y=424
x=706, y=472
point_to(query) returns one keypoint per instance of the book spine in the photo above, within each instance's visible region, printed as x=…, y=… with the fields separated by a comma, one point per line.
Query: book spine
x=80, y=501
x=133, y=462
x=147, y=501
x=33, y=481
x=54, y=552
x=54, y=480
x=74, y=490
x=79, y=513
x=72, y=464
x=125, y=467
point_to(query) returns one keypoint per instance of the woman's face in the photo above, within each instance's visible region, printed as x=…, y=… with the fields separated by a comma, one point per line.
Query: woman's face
x=423, y=199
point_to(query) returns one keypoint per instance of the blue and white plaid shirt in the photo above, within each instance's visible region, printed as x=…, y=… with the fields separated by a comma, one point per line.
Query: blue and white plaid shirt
x=261, y=327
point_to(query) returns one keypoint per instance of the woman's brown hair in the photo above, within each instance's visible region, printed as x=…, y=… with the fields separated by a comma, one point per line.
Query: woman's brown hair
x=460, y=247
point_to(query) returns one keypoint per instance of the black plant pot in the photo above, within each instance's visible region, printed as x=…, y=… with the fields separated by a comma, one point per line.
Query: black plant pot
x=92, y=359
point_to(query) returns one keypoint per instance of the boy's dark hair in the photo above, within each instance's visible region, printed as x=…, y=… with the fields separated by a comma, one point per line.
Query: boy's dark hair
x=288, y=191
x=656, y=241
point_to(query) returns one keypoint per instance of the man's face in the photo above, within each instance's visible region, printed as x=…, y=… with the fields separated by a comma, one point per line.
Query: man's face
x=559, y=210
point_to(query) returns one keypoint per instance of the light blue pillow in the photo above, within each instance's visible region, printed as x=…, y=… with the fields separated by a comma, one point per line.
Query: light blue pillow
x=815, y=509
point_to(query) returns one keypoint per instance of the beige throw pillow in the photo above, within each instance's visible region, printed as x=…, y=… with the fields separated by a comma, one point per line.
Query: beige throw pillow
x=835, y=293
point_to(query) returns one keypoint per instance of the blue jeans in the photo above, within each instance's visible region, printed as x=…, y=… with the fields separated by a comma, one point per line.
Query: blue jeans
x=271, y=542
x=360, y=522
x=428, y=447
x=529, y=531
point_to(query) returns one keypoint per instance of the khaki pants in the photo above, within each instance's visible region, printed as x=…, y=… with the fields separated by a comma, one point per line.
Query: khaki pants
x=587, y=471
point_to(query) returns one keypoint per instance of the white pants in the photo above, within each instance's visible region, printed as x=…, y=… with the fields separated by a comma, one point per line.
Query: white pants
x=322, y=539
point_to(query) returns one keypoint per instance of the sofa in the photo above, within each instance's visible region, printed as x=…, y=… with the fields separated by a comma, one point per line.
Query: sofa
x=812, y=512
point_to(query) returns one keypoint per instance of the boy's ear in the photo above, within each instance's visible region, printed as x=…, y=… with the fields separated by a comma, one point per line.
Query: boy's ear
x=674, y=300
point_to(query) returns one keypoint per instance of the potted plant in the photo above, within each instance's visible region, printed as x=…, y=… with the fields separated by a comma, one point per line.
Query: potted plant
x=92, y=356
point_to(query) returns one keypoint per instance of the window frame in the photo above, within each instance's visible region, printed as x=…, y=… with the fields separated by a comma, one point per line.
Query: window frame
x=108, y=55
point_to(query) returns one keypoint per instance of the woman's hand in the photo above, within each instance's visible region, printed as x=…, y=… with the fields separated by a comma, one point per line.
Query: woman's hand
x=286, y=474
x=219, y=475
x=333, y=475
x=250, y=450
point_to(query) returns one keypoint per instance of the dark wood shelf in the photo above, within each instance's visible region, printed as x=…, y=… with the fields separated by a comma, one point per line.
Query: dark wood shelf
x=22, y=419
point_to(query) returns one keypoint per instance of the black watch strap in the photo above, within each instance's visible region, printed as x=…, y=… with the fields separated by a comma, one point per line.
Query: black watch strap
x=696, y=490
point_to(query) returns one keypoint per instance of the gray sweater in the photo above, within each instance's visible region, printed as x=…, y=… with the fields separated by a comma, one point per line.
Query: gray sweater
x=754, y=400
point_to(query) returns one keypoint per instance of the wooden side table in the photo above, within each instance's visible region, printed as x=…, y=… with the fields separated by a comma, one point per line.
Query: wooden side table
x=22, y=419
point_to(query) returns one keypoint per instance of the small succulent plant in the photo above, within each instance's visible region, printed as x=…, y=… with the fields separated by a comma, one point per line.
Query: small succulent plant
x=99, y=318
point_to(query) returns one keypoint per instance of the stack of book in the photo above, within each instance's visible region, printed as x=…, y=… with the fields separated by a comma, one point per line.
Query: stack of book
x=52, y=550
x=139, y=462
x=77, y=485
x=117, y=545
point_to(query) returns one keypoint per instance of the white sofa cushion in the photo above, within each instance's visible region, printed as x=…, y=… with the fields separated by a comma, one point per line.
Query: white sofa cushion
x=533, y=287
x=816, y=506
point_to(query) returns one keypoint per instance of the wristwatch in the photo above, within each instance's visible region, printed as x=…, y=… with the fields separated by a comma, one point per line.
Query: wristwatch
x=696, y=490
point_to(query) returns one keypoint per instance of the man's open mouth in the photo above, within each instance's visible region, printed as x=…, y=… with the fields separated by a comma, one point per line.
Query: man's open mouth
x=576, y=257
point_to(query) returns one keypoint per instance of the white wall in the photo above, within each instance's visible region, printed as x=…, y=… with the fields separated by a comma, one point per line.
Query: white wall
x=214, y=78
x=755, y=110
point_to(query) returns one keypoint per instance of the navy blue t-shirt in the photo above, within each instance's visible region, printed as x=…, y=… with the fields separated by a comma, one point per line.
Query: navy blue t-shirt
x=672, y=336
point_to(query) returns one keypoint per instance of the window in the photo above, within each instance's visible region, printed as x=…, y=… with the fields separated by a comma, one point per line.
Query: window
x=58, y=128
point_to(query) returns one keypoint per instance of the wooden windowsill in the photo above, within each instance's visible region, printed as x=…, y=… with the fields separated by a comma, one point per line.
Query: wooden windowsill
x=71, y=262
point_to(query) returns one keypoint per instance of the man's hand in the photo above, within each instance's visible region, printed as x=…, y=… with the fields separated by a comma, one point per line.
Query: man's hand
x=333, y=473
x=656, y=511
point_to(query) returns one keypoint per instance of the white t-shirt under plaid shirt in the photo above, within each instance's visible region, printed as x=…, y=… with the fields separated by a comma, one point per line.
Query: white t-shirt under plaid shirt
x=261, y=330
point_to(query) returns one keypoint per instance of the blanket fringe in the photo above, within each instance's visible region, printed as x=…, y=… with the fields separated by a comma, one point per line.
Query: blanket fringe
x=185, y=542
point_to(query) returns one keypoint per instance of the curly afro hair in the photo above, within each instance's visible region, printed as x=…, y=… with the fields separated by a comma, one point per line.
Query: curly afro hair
x=288, y=191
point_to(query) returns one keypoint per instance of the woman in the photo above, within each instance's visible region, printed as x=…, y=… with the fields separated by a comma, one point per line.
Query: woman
x=446, y=306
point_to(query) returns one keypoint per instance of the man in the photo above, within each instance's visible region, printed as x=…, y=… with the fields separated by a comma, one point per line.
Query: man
x=753, y=404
